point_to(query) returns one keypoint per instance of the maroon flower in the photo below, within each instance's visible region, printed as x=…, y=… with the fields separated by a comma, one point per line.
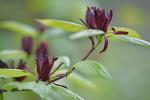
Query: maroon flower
x=42, y=49
x=27, y=44
x=44, y=66
x=40, y=27
x=3, y=64
x=22, y=66
x=97, y=18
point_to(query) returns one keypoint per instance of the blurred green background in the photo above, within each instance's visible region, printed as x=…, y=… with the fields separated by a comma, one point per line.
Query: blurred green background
x=129, y=65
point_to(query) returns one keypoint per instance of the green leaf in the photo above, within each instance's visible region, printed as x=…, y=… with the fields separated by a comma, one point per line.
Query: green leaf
x=86, y=33
x=14, y=73
x=131, y=33
x=92, y=69
x=18, y=27
x=65, y=25
x=65, y=93
x=80, y=81
x=48, y=92
x=1, y=96
x=12, y=54
x=132, y=40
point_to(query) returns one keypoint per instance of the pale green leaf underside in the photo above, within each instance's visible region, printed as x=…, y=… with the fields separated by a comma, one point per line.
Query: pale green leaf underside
x=132, y=40
x=92, y=69
x=14, y=73
x=48, y=92
x=12, y=55
x=18, y=28
x=64, y=25
x=86, y=33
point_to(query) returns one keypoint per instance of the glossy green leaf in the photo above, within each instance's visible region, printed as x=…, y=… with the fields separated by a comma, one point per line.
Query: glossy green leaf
x=14, y=73
x=93, y=69
x=65, y=25
x=132, y=40
x=48, y=92
x=80, y=81
x=12, y=54
x=18, y=27
x=86, y=33
x=131, y=33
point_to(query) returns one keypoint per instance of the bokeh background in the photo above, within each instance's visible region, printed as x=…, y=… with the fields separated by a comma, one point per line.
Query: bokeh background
x=128, y=64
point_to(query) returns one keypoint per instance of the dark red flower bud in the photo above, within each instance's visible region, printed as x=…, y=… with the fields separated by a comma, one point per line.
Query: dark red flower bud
x=22, y=66
x=40, y=27
x=3, y=64
x=97, y=18
x=42, y=49
x=44, y=66
x=27, y=44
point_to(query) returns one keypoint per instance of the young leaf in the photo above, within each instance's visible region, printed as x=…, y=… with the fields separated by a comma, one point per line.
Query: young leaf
x=132, y=40
x=65, y=25
x=86, y=33
x=131, y=33
x=14, y=73
x=18, y=27
x=92, y=69
x=48, y=92
x=12, y=54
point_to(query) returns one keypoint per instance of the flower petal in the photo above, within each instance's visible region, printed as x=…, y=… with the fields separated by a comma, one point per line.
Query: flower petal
x=3, y=64
x=121, y=33
x=105, y=45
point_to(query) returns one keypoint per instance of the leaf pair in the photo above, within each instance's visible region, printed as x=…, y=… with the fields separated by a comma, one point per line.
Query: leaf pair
x=132, y=37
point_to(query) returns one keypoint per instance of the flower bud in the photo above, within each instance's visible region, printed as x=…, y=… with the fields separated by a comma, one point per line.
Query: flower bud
x=27, y=44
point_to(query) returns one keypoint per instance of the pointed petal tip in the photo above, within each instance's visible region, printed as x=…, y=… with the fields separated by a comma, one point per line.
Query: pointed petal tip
x=121, y=33
x=105, y=45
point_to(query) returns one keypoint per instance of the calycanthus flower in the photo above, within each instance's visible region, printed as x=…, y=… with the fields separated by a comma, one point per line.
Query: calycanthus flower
x=3, y=64
x=97, y=18
x=40, y=27
x=22, y=66
x=44, y=66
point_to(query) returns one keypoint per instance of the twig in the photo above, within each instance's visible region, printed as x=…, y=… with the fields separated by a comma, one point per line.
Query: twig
x=60, y=76
x=93, y=47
